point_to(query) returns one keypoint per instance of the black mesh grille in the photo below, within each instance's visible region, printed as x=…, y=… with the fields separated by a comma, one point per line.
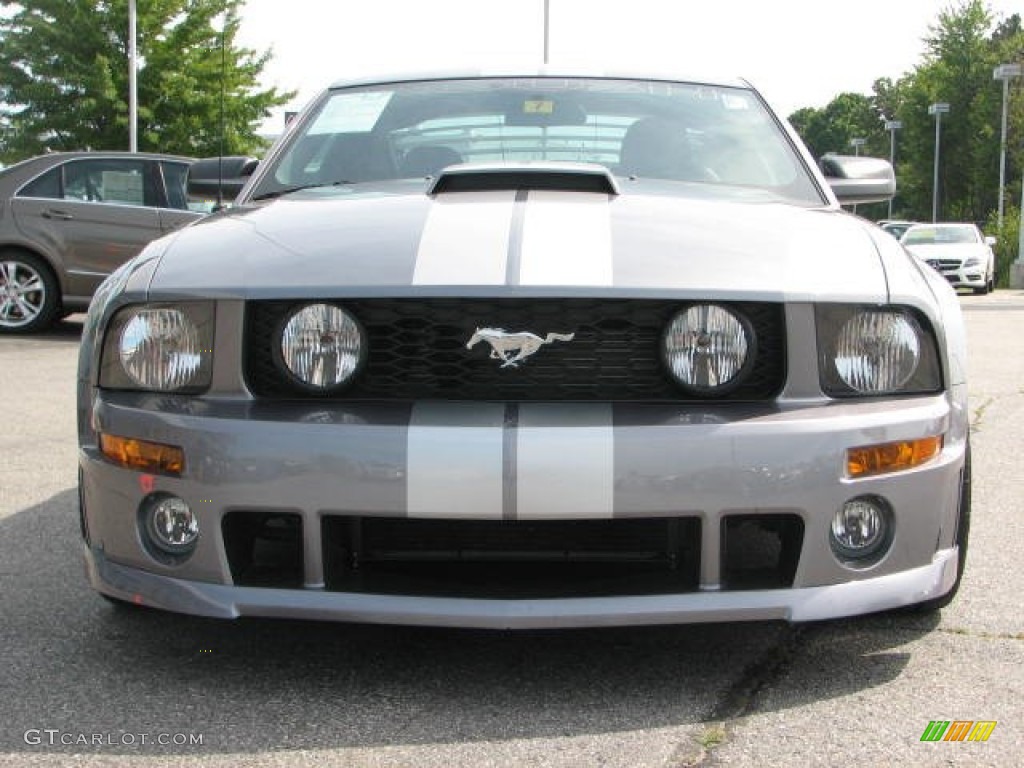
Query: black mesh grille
x=417, y=350
x=511, y=558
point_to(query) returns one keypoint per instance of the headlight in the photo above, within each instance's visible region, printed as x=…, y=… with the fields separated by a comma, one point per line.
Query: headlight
x=159, y=347
x=974, y=261
x=875, y=351
x=708, y=348
x=321, y=346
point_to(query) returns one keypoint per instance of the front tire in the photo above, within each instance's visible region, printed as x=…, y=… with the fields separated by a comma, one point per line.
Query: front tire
x=29, y=294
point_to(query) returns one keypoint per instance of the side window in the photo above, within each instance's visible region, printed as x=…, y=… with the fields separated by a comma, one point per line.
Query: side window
x=114, y=181
x=175, y=175
x=47, y=185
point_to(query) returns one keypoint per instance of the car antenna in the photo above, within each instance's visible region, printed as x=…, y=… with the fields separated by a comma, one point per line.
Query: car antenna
x=220, y=148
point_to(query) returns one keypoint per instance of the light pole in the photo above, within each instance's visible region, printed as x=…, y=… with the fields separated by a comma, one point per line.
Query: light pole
x=937, y=109
x=1004, y=72
x=892, y=126
x=133, y=99
x=547, y=17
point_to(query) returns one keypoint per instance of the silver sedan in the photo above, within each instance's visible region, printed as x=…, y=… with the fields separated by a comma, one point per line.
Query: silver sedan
x=69, y=219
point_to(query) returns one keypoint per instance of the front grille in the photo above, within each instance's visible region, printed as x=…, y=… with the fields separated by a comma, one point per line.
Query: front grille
x=511, y=558
x=417, y=350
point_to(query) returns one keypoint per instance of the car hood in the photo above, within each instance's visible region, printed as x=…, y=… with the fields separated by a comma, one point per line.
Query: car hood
x=373, y=242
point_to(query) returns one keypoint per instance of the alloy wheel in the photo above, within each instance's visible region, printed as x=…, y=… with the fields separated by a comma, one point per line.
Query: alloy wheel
x=28, y=298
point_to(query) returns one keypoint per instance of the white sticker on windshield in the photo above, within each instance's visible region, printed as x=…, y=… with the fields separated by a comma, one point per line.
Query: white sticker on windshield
x=355, y=112
x=735, y=101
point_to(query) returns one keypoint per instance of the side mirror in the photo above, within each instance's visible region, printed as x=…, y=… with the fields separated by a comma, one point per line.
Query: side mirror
x=220, y=178
x=859, y=179
x=990, y=241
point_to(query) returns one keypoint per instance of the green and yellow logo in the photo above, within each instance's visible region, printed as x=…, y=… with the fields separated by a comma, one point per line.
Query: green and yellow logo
x=958, y=730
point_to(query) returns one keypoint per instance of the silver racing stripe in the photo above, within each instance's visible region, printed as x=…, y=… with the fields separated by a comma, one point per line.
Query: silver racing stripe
x=542, y=237
x=455, y=460
x=539, y=461
x=465, y=239
x=565, y=461
x=567, y=239
x=543, y=461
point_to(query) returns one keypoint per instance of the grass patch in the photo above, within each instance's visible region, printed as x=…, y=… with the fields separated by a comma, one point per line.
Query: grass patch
x=712, y=736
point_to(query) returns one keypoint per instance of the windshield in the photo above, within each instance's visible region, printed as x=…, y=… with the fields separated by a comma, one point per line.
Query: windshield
x=941, y=235
x=645, y=129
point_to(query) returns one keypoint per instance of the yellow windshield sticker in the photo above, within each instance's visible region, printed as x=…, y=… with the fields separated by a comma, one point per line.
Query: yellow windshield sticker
x=538, y=107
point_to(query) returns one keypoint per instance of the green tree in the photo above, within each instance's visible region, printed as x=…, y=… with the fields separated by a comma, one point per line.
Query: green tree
x=848, y=116
x=66, y=77
x=958, y=70
x=1008, y=40
x=963, y=46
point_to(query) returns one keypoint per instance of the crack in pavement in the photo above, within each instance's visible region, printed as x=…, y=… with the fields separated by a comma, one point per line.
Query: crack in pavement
x=740, y=698
x=982, y=634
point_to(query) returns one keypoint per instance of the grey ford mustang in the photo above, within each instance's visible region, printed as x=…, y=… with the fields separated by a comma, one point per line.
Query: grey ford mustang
x=529, y=351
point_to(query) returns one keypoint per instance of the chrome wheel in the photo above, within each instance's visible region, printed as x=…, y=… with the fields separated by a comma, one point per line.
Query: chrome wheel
x=28, y=298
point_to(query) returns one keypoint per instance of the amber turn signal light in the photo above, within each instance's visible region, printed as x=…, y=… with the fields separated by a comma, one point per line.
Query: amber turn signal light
x=883, y=458
x=143, y=455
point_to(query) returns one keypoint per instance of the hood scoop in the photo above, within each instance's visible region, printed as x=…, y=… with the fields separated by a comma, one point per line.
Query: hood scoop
x=565, y=177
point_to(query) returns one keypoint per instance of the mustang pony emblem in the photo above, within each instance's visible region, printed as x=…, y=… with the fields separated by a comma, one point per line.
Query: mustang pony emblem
x=513, y=348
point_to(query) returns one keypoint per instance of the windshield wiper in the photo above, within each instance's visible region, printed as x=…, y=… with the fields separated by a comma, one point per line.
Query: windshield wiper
x=299, y=188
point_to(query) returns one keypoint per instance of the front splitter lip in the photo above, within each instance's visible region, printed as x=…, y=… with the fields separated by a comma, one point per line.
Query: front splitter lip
x=794, y=605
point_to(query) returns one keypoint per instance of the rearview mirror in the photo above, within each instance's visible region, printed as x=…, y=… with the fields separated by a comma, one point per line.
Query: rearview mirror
x=859, y=179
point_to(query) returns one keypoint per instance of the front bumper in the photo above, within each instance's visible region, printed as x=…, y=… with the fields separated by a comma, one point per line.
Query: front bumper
x=796, y=605
x=536, y=462
x=959, y=276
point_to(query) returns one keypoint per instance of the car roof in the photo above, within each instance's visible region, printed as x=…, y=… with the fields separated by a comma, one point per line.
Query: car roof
x=93, y=153
x=944, y=224
x=51, y=159
x=14, y=176
x=539, y=72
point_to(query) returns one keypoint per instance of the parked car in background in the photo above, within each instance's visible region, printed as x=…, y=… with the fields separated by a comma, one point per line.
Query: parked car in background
x=957, y=251
x=67, y=220
x=543, y=350
x=896, y=228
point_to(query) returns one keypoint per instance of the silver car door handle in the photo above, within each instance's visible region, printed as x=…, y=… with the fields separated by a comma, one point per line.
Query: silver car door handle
x=60, y=215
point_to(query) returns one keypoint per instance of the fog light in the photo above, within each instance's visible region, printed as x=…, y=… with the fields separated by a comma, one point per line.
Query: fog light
x=170, y=525
x=862, y=530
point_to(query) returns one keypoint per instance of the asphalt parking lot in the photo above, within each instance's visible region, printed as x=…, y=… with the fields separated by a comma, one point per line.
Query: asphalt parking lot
x=83, y=683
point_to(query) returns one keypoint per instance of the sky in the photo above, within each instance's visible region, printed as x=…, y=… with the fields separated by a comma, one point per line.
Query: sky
x=798, y=53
